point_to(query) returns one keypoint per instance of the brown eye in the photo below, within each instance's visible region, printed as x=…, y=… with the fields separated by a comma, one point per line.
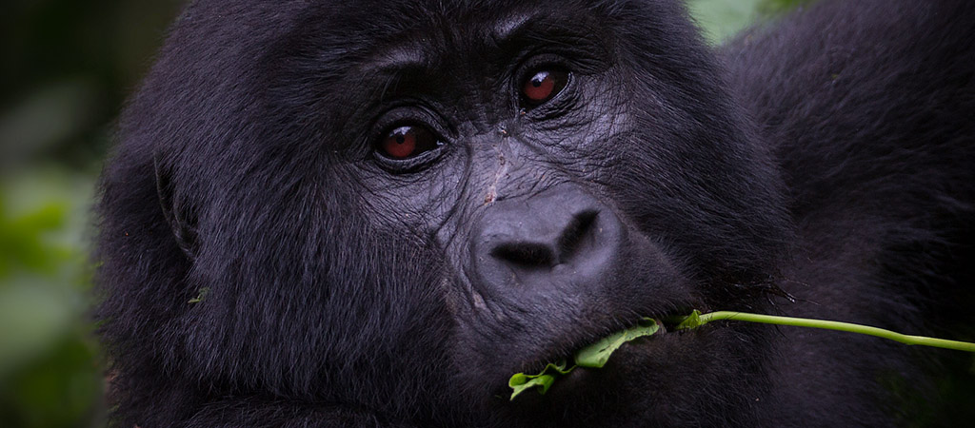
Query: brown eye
x=543, y=86
x=406, y=142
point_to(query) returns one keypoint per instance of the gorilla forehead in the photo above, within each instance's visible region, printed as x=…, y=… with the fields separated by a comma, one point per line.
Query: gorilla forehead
x=441, y=50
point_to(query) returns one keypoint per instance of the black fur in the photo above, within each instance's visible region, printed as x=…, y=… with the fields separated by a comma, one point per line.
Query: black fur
x=262, y=265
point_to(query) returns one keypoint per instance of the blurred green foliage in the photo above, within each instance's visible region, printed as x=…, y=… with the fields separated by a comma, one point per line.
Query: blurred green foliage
x=722, y=19
x=68, y=66
x=48, y=370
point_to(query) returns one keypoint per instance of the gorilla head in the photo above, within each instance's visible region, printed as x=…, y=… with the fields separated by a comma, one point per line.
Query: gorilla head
x=328, y=213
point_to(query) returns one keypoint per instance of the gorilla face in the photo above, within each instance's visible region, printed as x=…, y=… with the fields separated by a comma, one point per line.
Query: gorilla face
x=541, y=176
x=389, y=209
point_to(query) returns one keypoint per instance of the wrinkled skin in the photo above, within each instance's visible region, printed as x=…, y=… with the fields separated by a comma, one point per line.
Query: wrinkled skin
x=825, y=159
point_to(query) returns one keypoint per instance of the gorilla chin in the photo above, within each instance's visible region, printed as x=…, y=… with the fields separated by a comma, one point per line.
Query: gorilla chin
x=374, y=213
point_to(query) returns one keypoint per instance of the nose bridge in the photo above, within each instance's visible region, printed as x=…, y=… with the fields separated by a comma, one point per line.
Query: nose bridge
x=508, y=168
x=494, y=171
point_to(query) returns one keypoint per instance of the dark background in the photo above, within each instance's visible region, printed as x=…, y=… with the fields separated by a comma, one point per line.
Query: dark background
x=67, y=68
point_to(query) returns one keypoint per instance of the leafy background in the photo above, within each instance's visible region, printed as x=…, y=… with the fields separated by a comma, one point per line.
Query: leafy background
x=68, y=66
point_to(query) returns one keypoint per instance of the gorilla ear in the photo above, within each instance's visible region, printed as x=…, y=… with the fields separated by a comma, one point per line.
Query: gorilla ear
x=179, y=213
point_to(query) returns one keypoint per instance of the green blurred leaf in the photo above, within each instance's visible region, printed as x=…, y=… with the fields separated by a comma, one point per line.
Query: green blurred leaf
x=61, y=388
x=32, y=319
x=49, y=374
x=721, y=19
x=21, y=239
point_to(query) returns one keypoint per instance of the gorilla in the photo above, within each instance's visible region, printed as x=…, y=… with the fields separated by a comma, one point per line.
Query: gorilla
x=326, y=213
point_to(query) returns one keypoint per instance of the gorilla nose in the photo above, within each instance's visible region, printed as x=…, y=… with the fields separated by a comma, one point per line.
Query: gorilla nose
x=560, y=238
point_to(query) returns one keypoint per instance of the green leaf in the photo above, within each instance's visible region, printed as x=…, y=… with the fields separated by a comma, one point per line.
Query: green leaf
x=597, y=354
x=541, y=381
x=592, y=356
x=201, y=294
x=521, y=382
x=691, y=322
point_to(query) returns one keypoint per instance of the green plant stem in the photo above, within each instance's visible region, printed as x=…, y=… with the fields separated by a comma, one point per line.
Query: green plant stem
x=837, y=326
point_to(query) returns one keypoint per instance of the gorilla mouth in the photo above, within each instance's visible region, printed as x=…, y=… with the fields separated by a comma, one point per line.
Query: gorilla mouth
x=595, y=354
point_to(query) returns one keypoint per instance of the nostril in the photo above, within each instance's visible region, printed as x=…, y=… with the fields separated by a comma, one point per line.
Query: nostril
x=527, y=255
x=575, y=231
x=546, y=253
x=559, y=238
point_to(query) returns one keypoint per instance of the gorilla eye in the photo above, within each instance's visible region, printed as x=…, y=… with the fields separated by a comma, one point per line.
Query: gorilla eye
x=543, y=86
x=407, y=141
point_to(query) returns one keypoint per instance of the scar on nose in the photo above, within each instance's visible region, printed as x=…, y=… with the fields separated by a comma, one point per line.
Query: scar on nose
x=478, y=301
x=492, y=194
